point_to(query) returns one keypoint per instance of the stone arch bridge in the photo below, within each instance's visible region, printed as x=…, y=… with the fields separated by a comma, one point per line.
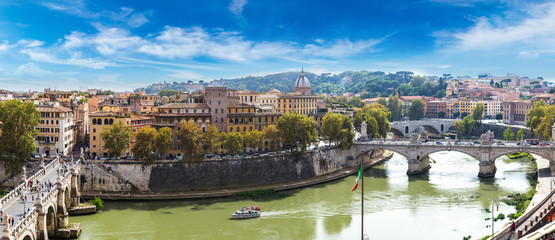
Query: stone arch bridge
x=418, y=160
x=38, y=219
x=437, y=127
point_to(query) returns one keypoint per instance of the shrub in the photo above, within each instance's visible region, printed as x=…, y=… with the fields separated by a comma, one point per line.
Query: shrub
x=97, y=202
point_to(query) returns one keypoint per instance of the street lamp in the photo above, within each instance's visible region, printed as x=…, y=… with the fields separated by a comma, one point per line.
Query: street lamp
x=495, y=203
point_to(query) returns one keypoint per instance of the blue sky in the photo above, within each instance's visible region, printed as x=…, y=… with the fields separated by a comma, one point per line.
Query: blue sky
x=122, y=45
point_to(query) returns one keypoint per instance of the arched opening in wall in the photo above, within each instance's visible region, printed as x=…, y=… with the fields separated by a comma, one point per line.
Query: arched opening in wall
x=50, y=221
x=432, y=132
x=28, y=238
x=442, y=128
x=406, y=129
x=67, y=198
x=397, y=133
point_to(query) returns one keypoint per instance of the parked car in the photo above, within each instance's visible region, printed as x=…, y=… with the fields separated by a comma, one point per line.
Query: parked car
x=179, y=158
x=545, y=143
x=439, y=143
x=500, y=143
x=217, y=157
x=476, y=142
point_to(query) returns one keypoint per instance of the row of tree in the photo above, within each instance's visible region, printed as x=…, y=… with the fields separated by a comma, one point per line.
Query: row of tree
x=468, y=123
x=540, y=119
x=376, y=117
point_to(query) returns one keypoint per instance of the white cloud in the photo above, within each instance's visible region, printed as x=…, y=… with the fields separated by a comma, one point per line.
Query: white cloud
x=4, y=46
x=533, y=32
x=74, y=60
x=30, y=69
x=236, y=6
x=30, y=43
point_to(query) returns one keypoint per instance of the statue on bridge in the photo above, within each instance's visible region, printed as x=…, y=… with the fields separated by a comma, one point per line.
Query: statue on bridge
x=414, y=138
x=424, y=134
x=487, y=137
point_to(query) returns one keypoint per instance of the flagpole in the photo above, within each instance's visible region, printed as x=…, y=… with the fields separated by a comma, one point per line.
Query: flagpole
x=362, y=199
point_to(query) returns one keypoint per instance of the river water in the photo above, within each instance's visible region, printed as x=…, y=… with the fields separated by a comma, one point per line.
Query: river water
x=447, y=203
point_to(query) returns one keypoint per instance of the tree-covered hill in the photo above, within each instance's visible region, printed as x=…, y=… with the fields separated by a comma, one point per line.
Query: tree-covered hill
x=374, y=83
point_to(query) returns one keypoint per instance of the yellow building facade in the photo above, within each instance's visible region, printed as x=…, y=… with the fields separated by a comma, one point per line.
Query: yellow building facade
x=99, y=121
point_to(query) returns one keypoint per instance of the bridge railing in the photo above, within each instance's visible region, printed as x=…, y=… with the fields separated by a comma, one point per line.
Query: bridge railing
x=526, y=217
x=13, y=194
x=29, y=220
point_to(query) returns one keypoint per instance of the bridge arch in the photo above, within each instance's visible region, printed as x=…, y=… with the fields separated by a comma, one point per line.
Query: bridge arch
x=27, y=236
x=469, y=153
x=51, y=220
x=545, y=153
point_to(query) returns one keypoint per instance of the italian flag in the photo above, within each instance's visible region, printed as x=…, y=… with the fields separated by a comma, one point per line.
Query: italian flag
x=358, y=177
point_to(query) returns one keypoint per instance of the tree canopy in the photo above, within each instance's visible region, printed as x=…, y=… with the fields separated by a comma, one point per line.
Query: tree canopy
x=337, y=129
x=18, y=121
x=163, y=142
x=478, y=111
x=190, y=136
x=298, y=131
x=143, y=148
x=417, y=109
x=540, y=119
x=117, y=138
x=273, y=136
x=233, y=142
x=377, y=120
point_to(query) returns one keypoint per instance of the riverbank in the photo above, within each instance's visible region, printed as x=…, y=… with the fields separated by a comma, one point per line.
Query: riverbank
x=235, y=191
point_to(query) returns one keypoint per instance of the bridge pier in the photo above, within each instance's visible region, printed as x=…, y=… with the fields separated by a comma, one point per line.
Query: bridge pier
x=487, y=169
x=418, y=166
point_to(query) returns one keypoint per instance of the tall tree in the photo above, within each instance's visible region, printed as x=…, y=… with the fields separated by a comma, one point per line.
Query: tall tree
x=417, y=109
x=331, y=127
x=233, y=142
x=441, y=114
x=18, y=121
x=144, y=144
x=117, y=138
x=508, y=133
x=347, y=134
x=273, y=136
x=357, y=121
x=499, y=116
x=254, y=139
x=535, y=115
x=468, y=124
x=299, y=132
x=163, y=142
x=520, y=134
x=396, y=107
x=382, y=101
x=478, y=111
x=381, y=115
x=212, y=139
x=417, y=81
x=190, y=136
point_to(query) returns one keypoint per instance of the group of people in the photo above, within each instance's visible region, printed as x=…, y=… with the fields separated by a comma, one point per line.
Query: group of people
x=10, y=219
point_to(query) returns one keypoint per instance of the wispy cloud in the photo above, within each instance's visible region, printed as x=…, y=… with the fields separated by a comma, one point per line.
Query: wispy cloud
x=4, y=46
x=31, y=69
x=236, y=6
x=79, y=8
x=30, y=43
x=185, y=75
x=534, y=31
x=75, y=60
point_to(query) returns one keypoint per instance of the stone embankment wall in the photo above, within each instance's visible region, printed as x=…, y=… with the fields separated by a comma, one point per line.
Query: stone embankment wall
x=498, y=131
x=178, y=176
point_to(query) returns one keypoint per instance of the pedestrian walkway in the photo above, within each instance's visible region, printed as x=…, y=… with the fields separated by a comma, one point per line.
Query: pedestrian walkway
x=17, y=203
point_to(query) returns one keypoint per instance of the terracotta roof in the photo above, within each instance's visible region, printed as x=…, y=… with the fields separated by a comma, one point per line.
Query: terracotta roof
x=135, y=117
x=102, y=114
x=48, y=108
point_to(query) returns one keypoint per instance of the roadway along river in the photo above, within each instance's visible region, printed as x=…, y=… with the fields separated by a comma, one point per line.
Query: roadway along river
x=446, y=203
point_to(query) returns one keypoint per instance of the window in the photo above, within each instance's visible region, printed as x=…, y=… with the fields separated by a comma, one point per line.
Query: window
x=94, y=130
x=94, y=138
x=222, y=119
x=216, y=110
x=94, y=146
x=57, y=122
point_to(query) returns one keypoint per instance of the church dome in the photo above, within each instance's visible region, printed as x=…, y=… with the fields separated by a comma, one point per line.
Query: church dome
x=302, y=81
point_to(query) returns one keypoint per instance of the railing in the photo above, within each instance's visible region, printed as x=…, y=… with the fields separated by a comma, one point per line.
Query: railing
x=29, y=219
x=526, y=216
x=12, y=194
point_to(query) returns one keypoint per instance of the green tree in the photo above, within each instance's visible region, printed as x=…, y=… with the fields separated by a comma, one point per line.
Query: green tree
x=468, y=124
x=143, y=148
x=18, y=121
x=347, y=135
x=190, y=136
x=211, y=140
x=273, y=137
x=380, y=115
x=499, y=116
x=357, y=121
x=356, y=102
x=163, y=142
x=463, y=115
x=233, y=142
x=117, y=138
x=520, y=134
x=255, y=140
x=331, y=127
x=491, y=82
x=441, y=114
x=416, y=109
x=478, y=111
x=299, y=132
x=508, y=133
x=396, y=107
x=417, y=81
x=459, y=126
x=535, y=116
x=456, y=114
x=382, y=101
x=168, y=92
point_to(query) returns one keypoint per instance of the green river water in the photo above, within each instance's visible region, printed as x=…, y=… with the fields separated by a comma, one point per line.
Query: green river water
x=447, y=203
